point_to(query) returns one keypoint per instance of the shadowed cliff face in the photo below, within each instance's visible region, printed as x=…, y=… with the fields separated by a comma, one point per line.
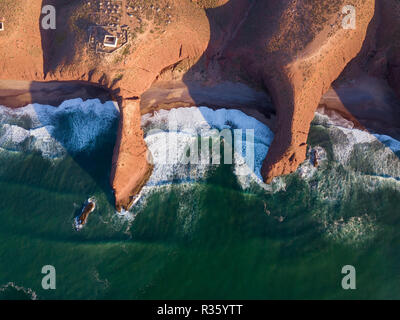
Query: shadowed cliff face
x=300, y=48
x=294, y=49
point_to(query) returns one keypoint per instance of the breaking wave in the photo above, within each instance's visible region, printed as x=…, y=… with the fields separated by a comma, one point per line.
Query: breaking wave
x=360, y=151
x=169, y=133
x=12, y=289
x=348, y=158
x=54, y=131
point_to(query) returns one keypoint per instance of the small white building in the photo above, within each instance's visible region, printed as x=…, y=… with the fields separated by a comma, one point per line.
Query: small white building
x=1, y=26
x=110, y=41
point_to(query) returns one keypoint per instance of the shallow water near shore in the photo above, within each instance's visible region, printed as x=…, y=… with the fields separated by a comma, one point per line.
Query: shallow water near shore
x=209, y=238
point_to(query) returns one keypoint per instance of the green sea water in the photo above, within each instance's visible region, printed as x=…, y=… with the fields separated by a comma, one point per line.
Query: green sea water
x=204, y=240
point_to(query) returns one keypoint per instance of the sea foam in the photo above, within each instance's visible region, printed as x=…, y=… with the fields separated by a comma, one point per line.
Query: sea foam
x=53, y=131
x=169, y=133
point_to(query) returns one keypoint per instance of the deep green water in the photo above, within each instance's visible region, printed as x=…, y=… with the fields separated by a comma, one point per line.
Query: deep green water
x=207, y=240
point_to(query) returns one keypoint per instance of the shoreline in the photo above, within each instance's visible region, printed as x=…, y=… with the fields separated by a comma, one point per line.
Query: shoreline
x=17, y=94
x=164, y=95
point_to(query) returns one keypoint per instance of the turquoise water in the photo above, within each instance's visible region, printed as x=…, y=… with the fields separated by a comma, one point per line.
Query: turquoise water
x=203, y=240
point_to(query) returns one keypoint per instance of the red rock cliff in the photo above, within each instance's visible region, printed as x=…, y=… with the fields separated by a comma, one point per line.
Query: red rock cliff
x=294, y=48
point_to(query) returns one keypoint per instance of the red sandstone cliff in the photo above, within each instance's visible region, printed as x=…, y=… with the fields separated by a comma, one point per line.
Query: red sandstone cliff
x=293, y=48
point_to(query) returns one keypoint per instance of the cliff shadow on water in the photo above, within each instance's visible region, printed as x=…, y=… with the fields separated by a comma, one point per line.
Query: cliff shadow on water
x=79, y=118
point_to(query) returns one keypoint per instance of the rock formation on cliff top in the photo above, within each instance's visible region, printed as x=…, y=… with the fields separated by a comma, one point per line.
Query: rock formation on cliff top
x=294, y=49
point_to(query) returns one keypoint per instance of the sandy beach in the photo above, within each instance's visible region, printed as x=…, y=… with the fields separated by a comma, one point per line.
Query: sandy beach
x=15, y=94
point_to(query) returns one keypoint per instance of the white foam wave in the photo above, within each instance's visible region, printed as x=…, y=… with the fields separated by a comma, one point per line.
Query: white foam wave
x=389, y=142
x=53, y=131
x=28, y=291
x=169, y=133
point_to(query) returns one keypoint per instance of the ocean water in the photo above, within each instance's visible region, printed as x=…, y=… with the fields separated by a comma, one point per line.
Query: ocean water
x=199, y=231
